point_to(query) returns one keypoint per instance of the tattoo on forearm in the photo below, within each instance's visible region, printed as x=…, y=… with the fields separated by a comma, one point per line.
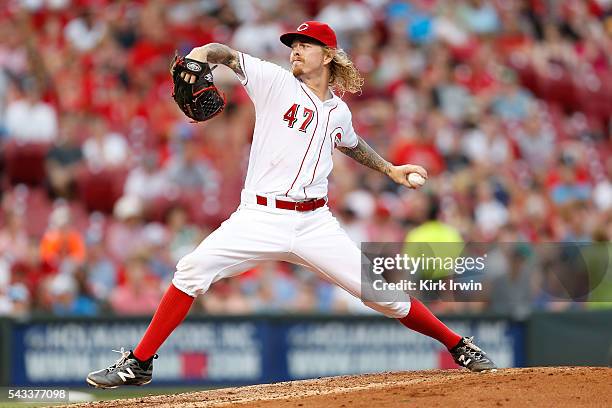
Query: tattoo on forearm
x=235, y=66
x=222, y=54
x=364, y=154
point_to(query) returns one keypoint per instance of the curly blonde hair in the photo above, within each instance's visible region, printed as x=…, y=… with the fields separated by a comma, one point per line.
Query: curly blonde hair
x=345, y=76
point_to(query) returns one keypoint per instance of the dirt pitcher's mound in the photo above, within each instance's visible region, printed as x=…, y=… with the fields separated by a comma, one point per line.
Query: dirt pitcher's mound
x=514, y=387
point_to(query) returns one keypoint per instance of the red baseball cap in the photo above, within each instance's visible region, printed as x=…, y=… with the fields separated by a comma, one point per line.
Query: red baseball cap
x=312, y=29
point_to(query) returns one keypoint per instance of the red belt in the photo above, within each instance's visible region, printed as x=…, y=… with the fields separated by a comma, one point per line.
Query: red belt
x=309, y=205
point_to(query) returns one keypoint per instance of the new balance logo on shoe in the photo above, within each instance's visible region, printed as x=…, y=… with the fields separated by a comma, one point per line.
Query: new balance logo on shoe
x=464, y=361
x=125, y=376
x=126, y=371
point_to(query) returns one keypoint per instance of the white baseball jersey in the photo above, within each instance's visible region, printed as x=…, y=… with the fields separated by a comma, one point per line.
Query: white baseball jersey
x=295, y=132
x=291, y=157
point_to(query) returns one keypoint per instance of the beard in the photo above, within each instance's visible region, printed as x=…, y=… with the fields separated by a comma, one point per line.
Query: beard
x=297, y=71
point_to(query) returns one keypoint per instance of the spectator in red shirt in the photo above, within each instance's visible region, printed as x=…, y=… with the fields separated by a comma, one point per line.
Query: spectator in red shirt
x=418, y=149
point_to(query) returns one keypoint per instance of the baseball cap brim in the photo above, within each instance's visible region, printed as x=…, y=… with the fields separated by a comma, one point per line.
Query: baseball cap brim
x=288, y=38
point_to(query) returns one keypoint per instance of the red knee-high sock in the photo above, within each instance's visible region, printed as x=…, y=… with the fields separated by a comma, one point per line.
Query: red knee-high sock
x=171, y=311
x=420, y=319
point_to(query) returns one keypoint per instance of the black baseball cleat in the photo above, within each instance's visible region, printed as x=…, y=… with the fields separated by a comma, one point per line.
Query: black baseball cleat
x=470, y=356
x=126, y=371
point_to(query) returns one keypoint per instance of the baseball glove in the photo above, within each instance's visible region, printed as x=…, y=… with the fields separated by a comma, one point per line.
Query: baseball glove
x=201, y=100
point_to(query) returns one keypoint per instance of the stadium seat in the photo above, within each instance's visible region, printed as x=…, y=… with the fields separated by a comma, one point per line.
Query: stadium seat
x=595, y=97
x=559, y=88
x=527, y=77
x=100, y=190
x=157, y=209
x=25, y=163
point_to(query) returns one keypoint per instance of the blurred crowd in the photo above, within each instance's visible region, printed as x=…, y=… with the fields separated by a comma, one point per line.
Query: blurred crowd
x=105, y=184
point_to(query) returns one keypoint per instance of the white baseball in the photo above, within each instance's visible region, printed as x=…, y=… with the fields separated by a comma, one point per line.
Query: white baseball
x=416, y=180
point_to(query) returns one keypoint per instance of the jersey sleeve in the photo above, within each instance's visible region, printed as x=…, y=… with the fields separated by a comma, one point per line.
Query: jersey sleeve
x=350, y=139
x=261, y=78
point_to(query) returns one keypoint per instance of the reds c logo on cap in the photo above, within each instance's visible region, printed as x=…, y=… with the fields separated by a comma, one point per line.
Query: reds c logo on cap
x=314, y=29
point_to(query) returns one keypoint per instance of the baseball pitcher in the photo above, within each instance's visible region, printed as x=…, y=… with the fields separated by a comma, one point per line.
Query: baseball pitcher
x=283, y=214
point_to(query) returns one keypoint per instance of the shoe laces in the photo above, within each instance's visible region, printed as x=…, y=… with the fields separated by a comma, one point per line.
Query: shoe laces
x=471, y=348
x=124, y=356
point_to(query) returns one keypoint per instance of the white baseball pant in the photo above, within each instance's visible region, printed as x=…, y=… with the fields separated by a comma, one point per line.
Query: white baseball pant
x=256, y=233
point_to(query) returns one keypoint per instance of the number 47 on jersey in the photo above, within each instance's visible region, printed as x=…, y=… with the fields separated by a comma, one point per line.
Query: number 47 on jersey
x=291, y=116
